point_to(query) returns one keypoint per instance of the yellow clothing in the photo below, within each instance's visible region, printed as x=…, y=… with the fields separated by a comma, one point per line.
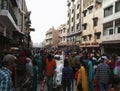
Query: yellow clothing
x=82, y=78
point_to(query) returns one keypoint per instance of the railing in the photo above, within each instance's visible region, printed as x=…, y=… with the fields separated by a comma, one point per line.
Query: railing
x=5, y=4
x=12, y=13
x=111, y=37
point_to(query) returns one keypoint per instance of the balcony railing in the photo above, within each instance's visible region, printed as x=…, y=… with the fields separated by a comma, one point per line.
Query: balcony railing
x=111, y=37
x=5, y=5
x=14, y=2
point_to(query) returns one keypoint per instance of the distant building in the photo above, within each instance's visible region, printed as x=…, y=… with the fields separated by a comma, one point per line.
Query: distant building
x=52, y=37
x=74, y=22
x=62, y=30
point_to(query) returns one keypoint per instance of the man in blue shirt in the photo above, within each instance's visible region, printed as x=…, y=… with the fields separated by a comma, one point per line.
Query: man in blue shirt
x=67, y=76
x=8, y=64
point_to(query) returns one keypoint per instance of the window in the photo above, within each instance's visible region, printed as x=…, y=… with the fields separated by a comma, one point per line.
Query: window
x=118, y=30
x=68, y=22
x=84, y=38
x=110, y=31
x=78, y=6
x=90, y=9
x=1, y=29
x=84, y=13
x=84, y=26
x=108, y=11
x=61, y=39
x=89, y=36
x=64, y=38
x=5, y=4
x=95, y=21
x=77, y=26
x=117, y=6
x=77, y=16
x=0, y=4
x=72, y=10
x=68, y=31
x=72, y=19
x=97, y=36
x=72, y=29
x=64, y=30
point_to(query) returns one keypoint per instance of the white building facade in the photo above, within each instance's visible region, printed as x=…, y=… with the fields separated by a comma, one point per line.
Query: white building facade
x=62, y=33
x=111, y=26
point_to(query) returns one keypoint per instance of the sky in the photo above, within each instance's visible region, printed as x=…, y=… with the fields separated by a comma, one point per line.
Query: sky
x=44, y=15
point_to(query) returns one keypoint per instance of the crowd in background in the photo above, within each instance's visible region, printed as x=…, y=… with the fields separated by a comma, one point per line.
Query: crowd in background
x=91, y=71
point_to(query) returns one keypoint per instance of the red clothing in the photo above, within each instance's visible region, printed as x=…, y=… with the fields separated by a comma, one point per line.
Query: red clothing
x=111, y=64
x=96, y=84
x=50, y=65
x=76, y=75
x=110, y=90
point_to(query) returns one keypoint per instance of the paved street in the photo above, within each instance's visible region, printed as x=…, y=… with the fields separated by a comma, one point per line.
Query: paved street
x=58, y=89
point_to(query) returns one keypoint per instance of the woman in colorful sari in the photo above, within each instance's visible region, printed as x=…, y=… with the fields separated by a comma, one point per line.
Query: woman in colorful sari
x=90, y=76
x=82, y=81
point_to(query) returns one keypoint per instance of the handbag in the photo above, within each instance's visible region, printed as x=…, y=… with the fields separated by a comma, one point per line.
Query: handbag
x=79, y=87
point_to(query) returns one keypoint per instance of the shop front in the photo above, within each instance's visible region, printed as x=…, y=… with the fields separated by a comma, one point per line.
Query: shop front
x=111, y=48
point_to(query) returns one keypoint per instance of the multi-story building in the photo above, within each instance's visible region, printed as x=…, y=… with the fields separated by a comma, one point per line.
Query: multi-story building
x=62, y=32
x=12, y=23
x=52, y=38
x=91, y=24
x=111, y=26
x=8, y=21
x=74, y=22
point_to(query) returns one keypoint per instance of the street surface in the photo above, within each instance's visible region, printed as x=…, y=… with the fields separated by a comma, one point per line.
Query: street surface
x=58, y=89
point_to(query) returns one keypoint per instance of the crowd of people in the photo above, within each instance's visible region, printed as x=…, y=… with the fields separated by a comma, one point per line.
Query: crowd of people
x=24, y=69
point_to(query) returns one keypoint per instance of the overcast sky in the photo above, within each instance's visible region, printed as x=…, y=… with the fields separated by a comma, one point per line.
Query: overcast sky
x=45, y=14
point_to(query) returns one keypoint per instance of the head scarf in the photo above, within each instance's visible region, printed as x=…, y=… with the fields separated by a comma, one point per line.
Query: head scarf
x=22, y=57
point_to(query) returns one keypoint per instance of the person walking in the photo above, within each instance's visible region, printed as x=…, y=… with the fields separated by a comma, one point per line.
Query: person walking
x=103, y=74
x=35, y=78
x=117, y=69
x=82, y=82
x=39, y=64
x=67, y=76
x=8, y=64
x=50, y=68
x=90, y=76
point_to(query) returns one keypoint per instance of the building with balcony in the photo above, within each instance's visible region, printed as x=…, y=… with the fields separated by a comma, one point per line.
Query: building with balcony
x=52, y=38
x=12, y=23
x=8, y=21
x=91, y=24
x=111, y=26
x=74, y=22
x=62, y=33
